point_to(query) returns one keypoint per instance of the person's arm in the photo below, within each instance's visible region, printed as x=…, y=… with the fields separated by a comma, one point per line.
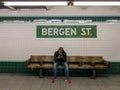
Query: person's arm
x=55, y=56
x=64, y=56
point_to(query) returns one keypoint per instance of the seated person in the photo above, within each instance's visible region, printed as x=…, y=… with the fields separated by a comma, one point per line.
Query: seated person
x=60, y=59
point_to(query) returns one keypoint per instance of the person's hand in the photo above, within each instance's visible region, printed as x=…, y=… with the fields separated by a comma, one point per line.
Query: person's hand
x=59, y=56
x=60, y=53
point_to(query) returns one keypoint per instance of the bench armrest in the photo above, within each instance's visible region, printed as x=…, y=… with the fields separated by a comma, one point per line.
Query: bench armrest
x=27, y=62
x=107, y=63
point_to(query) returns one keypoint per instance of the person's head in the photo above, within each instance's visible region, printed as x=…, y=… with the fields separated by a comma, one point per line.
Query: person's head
x=61, y=49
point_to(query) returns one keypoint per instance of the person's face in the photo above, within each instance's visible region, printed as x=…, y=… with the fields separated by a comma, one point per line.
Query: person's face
x=60, y=52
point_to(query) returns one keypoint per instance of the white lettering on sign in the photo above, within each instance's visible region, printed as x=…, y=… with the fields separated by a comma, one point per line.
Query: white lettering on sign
x=44, y=31
x=86, y=31
x=59, y=31
x=55, y=31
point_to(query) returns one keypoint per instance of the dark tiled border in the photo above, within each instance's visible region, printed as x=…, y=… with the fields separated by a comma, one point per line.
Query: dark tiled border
x=20, y=67
x=62, y=18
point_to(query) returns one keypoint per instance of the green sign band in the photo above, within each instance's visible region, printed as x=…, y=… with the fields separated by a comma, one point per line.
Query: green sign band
x=67, y=31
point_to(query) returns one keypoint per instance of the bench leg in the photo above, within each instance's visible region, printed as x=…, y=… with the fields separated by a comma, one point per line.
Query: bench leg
x=93, y=73
x=40, y=73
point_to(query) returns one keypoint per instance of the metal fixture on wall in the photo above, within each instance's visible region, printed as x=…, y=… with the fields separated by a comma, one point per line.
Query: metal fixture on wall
x=45, y=4
x=70, y=3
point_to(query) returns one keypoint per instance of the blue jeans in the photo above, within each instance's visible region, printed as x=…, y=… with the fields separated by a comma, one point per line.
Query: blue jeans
x=65, y=66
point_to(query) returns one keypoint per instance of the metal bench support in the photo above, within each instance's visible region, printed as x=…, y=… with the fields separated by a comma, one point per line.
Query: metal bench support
x=40, y=73
x=93, y=73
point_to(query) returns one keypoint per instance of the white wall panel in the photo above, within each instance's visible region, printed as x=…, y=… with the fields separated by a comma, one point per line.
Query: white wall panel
x=64, y=10
x=18, y=41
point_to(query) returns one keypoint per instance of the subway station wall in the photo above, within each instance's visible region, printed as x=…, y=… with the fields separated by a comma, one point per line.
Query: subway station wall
x=64, y=10
x=18, y=41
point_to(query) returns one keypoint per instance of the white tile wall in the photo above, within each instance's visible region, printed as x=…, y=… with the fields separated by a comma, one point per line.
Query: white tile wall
x=18, y=41
x=65, y=10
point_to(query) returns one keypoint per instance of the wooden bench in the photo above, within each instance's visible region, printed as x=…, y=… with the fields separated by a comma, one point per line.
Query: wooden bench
x=74, y=62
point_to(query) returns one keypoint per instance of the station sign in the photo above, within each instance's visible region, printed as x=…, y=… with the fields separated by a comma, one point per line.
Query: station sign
x=66, y=31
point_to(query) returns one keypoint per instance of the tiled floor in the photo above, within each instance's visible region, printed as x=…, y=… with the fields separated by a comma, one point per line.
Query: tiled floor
x=28, y=82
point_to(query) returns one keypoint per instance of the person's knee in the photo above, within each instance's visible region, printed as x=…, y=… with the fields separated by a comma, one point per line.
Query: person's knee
x=55, y=65
x=66, y=65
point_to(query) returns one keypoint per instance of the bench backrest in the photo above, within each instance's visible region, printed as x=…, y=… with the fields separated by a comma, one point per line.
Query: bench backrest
x=41, y=58
x=85, y=59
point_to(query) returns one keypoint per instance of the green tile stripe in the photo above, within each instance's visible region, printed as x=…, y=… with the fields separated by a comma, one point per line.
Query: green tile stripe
x=14, y=67
x=20, y=67
x=31, y=18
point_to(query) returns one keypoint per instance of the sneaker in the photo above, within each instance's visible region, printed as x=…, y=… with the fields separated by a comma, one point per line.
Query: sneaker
x=53, y=80
x=68, y=81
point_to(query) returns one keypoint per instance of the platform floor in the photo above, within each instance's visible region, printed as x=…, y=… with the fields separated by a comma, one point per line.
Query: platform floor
x=30, y=82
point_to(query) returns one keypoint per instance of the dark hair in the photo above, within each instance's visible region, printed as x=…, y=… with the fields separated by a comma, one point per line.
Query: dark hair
x=61, y=48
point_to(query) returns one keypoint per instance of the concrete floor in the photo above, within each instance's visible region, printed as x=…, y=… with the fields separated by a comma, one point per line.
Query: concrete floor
x=29, y=82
